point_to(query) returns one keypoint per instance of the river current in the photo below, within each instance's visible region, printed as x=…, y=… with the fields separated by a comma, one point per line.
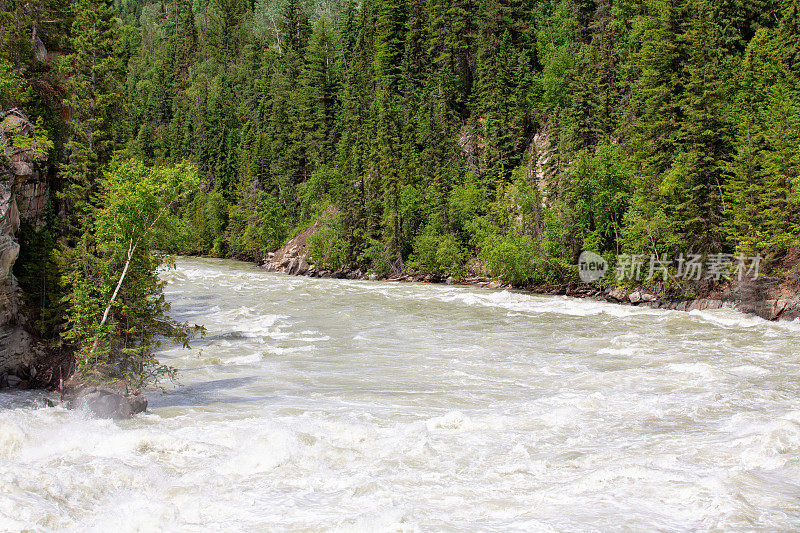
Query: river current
x=320, y=404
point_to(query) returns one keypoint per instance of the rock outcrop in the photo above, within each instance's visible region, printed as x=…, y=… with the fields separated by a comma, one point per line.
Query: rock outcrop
x=23, y=193
x=291, y=257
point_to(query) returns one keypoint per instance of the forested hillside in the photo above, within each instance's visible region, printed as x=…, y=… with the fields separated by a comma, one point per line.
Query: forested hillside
x=425, y=133
x=493, y=137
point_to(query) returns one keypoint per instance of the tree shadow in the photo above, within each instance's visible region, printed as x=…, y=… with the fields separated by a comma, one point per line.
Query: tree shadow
x=199, y=394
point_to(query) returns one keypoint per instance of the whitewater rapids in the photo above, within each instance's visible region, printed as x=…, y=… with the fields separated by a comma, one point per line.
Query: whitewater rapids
x=319, y=404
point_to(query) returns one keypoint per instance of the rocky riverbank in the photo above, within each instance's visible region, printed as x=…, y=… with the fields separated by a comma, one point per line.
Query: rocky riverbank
x=766, y=297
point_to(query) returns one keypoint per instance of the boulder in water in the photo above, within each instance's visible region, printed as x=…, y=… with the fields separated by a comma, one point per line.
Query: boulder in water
x=105, y=402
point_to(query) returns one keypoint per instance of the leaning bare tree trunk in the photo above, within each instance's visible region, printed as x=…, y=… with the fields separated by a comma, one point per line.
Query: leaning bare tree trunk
x=131, y=249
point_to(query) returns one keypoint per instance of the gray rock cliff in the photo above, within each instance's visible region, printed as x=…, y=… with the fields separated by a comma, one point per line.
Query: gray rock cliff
x=23, y=194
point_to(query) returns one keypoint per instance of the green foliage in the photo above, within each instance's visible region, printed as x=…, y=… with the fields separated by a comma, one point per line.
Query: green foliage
x=597, y=197
x=93, y=72
x=113, y=295
x=12, y=86
x=440, y=255
x=468, y=206
x=138, y=203
x=515, y=259
x=204, y=220
x=414, y=134
x=255, y=230
x=378, y=257
x=612, y=126
x=328, y=245
x=15, y=143
x=37, y=271
x=323, y=188
x=763, y=174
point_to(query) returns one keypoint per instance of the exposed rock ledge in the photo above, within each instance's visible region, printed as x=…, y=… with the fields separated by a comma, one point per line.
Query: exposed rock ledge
x=291, y=257
x=763, y=297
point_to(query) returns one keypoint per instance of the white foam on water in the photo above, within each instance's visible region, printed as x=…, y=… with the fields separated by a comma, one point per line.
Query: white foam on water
x=534, y=304
x=351, y=406
x=249, y=359
x=730, y=318
x=749, y=371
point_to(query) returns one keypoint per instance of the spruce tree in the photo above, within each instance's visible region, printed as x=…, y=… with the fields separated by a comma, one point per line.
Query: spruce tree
x=763, y=174
x=93, y=73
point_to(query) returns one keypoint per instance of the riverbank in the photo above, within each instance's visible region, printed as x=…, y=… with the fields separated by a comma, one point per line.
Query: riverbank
x=765, y=297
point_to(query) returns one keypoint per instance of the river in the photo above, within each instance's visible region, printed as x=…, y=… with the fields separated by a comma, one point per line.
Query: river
x=320, y=404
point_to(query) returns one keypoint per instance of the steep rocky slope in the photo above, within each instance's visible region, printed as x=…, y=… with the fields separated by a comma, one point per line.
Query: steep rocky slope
x=23, y=194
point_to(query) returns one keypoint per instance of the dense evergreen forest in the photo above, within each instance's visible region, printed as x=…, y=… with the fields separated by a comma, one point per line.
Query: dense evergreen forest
x=453, y=137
